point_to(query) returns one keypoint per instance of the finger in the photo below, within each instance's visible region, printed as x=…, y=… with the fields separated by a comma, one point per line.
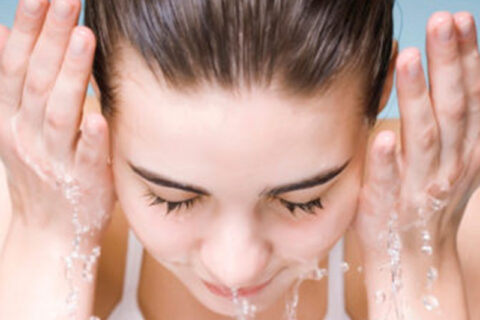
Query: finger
x=447, y=91
x=419, y=130
x=65, y=104
x=4, y=32
x=91, y=158
x=465, y=25
x=382, y=169
x=17, y=50
x=46, y=60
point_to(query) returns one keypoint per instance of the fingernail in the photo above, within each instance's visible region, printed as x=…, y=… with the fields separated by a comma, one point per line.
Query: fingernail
x=465, y=27
x=414, y=67
x=62, y=9
x=32, y=6
x=78, y=44
x=445, y=31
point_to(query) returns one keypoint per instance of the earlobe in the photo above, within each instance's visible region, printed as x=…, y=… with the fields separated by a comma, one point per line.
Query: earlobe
x=387, y=89
x=94, y=84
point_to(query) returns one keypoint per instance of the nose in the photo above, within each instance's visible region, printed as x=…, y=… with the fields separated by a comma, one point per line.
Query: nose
x=234, y=252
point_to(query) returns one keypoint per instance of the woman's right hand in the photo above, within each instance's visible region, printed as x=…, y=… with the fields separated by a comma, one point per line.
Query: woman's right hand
x=56, y=163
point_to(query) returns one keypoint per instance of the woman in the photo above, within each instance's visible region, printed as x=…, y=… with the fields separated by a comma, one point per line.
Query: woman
x=237, y=133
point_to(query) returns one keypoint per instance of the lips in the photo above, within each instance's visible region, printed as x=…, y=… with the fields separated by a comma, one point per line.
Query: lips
x=242, y=292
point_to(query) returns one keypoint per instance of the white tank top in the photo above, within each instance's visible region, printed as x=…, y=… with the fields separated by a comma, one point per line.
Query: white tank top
x=127, y=308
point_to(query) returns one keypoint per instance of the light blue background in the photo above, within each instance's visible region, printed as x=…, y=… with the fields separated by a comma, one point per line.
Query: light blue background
x=410, y=21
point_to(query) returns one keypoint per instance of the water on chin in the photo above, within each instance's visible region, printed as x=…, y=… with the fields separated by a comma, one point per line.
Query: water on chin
x=245, y=309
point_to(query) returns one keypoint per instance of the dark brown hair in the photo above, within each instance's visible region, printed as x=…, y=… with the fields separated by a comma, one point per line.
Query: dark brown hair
x=303, y=45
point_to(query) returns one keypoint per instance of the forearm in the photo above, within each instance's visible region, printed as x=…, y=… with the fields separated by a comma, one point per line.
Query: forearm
x=447, y=289
x=33, y=284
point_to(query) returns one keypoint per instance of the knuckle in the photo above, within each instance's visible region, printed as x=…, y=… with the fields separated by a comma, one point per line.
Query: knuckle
x=57, y=121
x=36, y=84
x=457, y=110
x=71, y=88
x=26, y=27
x=429, y=137
x=56, y=34
x=456, y=171
x=11, y=67
x=88, y=156
x=439, y=189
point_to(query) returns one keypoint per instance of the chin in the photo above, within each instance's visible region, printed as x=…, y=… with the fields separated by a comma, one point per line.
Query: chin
x=225, y=306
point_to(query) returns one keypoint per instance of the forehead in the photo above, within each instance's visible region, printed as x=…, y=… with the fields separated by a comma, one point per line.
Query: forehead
x=258, y=129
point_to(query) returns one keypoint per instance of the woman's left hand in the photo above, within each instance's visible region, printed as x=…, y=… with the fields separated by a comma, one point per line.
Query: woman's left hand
x=421, y=186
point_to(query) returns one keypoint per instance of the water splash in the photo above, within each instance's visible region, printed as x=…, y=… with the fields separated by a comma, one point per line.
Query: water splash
x=426, y=212
x=394, y=247
x=58, y=178
x=345, y=267
x=244, y=310
x=380, y=297
x=291, y=305
x=430, y=302
x=312, y=273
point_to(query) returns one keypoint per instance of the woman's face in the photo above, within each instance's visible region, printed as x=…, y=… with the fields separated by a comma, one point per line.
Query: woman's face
x=238, y=165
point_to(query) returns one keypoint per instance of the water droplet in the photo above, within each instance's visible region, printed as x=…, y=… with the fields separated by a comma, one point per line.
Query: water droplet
x=243, y=308
x=359, y=269
x=432, y=274
x=426, y=236
x=430, y=302
x=396, y=284
x=292, y=305
x=380, y=297
x=428, y=250
x=318, y=274
x=437, y=204
x=96, y=251
x=345, y=267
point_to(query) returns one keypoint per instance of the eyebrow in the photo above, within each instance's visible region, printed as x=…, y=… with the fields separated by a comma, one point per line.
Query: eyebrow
x=319, y=179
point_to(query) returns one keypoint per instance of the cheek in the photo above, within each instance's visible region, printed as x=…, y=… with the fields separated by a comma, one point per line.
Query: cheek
x=313, y=237
x=164, y=237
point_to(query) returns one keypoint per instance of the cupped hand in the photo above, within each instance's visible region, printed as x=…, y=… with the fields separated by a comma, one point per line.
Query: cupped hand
x=426, y=178
x=417, y=186
x=59, y=177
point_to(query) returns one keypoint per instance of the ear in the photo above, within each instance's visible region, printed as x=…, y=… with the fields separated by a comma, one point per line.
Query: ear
x=94, y=84
x=387, y=89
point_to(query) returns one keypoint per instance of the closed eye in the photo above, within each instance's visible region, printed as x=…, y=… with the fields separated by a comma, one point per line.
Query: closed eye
x=171, y=205
x=308, y=207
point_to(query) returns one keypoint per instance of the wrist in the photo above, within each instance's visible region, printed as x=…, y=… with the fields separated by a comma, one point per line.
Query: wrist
x=46, y=289
x=430, y=284
x=55, y=239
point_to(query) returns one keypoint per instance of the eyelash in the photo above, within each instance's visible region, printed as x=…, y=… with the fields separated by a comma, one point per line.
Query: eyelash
x=307, y=207
x=171, y=205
